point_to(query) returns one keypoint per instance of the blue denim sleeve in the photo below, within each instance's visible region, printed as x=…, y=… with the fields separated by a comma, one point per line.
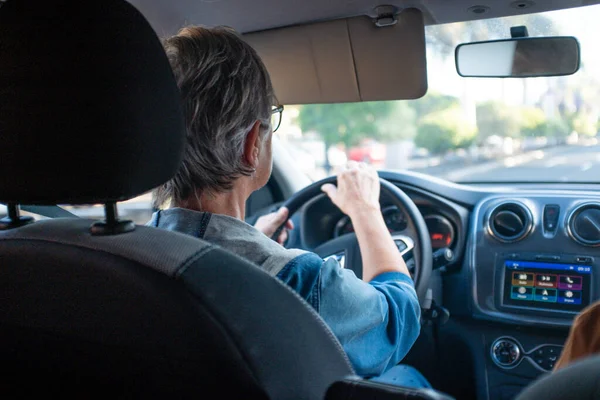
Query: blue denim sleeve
x=377, y=322
x=302, y=275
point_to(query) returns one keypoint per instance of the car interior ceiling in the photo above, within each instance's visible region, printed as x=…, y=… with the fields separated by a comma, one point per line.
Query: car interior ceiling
x=513, y=263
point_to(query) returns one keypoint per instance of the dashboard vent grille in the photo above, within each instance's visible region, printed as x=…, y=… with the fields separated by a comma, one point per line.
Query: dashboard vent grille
x=584, y=224
x=510, y=222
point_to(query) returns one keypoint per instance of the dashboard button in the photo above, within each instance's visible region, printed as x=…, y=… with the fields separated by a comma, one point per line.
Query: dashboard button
x=546, y=356
x=550, y=217
x=553, y=350
x=401, y=245
x=539, y=361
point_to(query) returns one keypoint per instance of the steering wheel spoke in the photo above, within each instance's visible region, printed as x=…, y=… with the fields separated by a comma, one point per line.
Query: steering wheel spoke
x=404, y=243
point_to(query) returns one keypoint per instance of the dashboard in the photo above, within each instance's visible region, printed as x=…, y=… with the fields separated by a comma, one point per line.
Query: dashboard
x=441, y=230
x=526, y=257
x=446, y=222
x=527, y=261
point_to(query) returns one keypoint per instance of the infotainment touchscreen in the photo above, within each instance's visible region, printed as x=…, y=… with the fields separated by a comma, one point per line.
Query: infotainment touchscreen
x=553, y=286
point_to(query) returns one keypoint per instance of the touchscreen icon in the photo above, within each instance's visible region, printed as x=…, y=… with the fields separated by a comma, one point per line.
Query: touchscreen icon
x=545, y=295
x=522, y=279
x=545, y=280
x=569, y=297
x=570, y=282
x=521, y=293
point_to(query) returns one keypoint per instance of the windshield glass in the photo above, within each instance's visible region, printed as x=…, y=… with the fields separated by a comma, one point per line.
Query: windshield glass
x=469, y=129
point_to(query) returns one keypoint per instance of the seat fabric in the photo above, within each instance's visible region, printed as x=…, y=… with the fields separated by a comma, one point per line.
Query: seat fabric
x=152, y=312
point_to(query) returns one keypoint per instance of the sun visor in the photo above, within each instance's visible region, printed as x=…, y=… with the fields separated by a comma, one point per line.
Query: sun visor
x=346, y=60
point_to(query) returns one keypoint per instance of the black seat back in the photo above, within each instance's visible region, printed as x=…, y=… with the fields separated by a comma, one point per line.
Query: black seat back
x=90, y=112
x=580, y=380
x=152, y=312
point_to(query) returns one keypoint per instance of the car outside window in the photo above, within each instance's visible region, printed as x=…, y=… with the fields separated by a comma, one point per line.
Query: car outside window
x=469, y=130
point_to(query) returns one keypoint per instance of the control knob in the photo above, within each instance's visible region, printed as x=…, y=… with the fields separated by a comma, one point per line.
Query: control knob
x=505, y=352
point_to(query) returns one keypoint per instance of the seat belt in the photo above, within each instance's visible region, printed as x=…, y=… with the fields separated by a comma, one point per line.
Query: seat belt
x=49, y=211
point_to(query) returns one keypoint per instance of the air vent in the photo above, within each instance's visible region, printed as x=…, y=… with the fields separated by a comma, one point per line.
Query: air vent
x=510, y=222
x=584, y=224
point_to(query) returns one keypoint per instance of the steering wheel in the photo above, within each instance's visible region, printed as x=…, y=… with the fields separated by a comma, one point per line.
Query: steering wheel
x=346, y=250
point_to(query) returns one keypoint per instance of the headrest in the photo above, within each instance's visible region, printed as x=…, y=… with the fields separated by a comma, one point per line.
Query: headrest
x=89, y=108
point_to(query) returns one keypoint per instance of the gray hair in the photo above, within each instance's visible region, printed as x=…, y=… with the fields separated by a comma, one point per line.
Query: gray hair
x=225, y=88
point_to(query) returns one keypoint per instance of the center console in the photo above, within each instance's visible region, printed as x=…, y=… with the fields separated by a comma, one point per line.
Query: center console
x=527, y=266
x=534, y=283
x=534, y=263
x=507, y=353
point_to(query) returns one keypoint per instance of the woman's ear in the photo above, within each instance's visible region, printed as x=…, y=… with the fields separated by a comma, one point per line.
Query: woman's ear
x=252, y=145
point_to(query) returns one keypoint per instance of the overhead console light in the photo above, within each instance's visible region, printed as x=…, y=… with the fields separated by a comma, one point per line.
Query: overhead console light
x=522, y=4
x=346, y=60
x=478, y=10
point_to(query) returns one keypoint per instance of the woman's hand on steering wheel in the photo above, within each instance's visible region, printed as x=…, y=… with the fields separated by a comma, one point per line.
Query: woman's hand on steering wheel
x=357, y=189
x=269, y=223
x=357, y=195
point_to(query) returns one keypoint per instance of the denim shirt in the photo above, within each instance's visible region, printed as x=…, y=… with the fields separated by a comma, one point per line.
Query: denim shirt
x=376, y=322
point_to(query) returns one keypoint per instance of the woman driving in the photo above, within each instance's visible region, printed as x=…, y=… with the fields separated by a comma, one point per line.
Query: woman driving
x=228, y=102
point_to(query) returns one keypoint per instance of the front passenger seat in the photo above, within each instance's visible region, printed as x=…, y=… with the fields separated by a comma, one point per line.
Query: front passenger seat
x=579, y=380
x=89, y=113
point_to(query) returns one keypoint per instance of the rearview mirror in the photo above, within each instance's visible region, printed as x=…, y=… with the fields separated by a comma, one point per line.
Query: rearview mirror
x=518, y=57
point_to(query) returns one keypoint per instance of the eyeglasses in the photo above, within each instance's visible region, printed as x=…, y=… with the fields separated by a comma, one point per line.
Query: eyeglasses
x=276, y=113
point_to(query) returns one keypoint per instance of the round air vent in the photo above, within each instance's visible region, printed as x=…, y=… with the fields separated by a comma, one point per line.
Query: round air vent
x=510, y=222
x=584, y=224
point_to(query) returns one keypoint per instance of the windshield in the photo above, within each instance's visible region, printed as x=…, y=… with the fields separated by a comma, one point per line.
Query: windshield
x=470, y=130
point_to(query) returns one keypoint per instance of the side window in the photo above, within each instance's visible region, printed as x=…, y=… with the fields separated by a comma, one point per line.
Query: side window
x=138, y=209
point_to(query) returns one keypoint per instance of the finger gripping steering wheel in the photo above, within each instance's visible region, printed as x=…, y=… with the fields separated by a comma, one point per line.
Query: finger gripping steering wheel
x=347, y=245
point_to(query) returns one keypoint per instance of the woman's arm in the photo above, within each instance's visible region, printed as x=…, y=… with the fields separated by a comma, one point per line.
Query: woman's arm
x=357, y=195
x=377, y=322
